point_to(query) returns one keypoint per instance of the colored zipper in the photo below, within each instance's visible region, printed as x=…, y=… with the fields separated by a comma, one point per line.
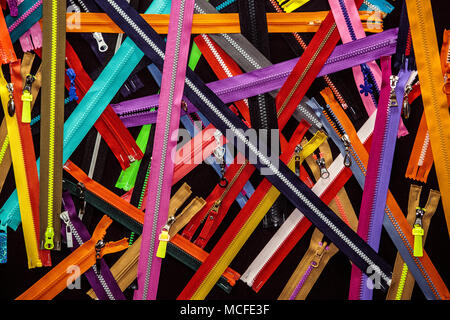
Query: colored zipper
x=86, y=256
x=20, y=172
x=7, y=53
x=307, y=22
x=434, y=99
x=29, y=13
x=99, y=276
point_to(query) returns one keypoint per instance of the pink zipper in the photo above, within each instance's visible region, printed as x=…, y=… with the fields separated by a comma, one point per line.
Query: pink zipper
x=25, y=15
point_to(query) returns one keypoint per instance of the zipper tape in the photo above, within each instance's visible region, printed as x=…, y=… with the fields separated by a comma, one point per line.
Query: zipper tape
x=394, y=222
x=310, y=267
x=93, y=104
x=20, y=174
x=223, y=23
x=435, y=102
x=223, y=118
x=172, y=85
x=29, y=13
x=7, y=53
x=268, y=79
x=56, y=280
x=28, y=155
x=102, y=281
x=402, y=280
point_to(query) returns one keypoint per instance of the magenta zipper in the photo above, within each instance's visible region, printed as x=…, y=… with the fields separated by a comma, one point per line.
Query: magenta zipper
x=13, y=10
x=32, y=39
x=25, y=16
x=161, y=174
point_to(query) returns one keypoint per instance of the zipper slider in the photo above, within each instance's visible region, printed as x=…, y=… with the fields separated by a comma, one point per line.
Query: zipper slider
x=319, y=254
x=298, y=149
x=347, y=157
x=27, y=98
x=164, y=238
x=406, y=108
x=98, y=248
x=393, y=96
x=418, y=232
x=11, y=105
x=72, y=90
x=324, y=174
x=69, y=237
x=49, y=234
x=102, y=46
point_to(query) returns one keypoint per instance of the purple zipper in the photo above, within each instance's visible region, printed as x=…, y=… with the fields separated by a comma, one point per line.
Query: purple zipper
x=103, y=284
x=13, y=9
x=137, y=112
x=301, y=282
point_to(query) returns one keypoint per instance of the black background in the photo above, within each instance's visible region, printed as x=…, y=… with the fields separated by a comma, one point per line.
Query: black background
x=333, y=284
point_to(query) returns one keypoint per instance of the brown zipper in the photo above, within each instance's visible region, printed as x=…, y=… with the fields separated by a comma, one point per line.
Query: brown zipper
x=402, y=280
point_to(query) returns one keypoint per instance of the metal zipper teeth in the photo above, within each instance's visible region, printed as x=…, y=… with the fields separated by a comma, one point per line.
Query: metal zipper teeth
x=94, y=267
x=306, y=70
x=308, y=114
x=164, y=144
x=24, y=16
x=253, y=148
x=443, y=149
x=424, y=149
x=371, y=6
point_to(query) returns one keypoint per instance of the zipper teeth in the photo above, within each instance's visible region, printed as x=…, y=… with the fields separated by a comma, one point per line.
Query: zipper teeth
x=52, y=110
x=225, y=4
x=164, y=143
x=24, y=16
x=301, y=283
x=309, y=115
x=306, y=70
x=253, y=148
x=341, y=210
x=443, y=149
x=217, y=55
x=401, y=284
x=424, y=150
x=4, y=148
x=371, y=6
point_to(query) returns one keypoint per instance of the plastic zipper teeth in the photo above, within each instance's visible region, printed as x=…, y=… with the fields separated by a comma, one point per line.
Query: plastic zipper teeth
x=220, y=116
x=301, y=283
x=424, y=149
x=98, y=274
x=25, y=15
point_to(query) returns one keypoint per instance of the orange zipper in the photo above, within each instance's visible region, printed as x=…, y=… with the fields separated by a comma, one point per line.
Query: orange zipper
x=83, y=258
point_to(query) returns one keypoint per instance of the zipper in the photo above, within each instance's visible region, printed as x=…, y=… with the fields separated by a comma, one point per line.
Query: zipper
x=310, y=267
x=291, y=5
x=223, y=119
x=138, y=112
x=402, y=280
x=20, y=173
x=225, y=23
x=84, y=257
x=435, y=101
x=52, y=119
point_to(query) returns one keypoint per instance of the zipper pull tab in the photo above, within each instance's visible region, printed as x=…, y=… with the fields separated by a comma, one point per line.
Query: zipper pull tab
x=164, y=237
x=102, y=46
x=418, y=232
x=3, y=244
x=98, y=248
x=298, y=149
x=49, y=234
x=27, y=98
x=72, y=90
x=324, y=174
x=347, y=157
x=406, y=108
x=319, y=254
x=69, y=237
x=393, y=96
x=11, y=105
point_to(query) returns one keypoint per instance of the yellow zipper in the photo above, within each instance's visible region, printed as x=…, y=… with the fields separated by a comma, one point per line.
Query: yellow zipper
x=20, y=179
x=435, y=102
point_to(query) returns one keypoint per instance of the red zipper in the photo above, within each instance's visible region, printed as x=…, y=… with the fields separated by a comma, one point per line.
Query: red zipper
x=28, y=156
x=7, y=53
